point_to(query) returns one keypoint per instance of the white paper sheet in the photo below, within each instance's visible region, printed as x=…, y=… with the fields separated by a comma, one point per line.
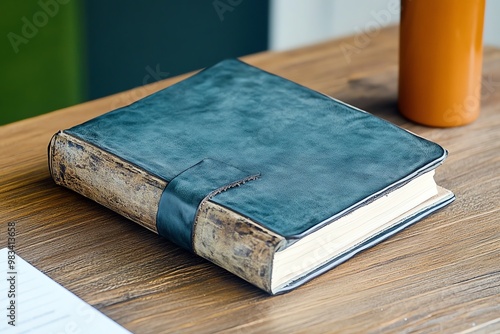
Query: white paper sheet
x=37, y=304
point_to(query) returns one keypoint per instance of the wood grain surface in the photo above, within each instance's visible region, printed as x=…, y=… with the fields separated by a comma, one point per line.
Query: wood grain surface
x=440, y=275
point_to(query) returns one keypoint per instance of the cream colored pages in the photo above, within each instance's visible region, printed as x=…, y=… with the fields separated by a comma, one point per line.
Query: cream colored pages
x=318, y=248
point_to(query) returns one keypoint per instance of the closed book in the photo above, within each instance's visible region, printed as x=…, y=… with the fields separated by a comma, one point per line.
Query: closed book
x=273, y=181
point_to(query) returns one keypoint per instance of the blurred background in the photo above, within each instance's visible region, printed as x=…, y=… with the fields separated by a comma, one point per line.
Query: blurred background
x=57, y=53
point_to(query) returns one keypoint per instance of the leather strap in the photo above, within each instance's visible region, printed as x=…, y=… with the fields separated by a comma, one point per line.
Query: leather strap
x=184, y=194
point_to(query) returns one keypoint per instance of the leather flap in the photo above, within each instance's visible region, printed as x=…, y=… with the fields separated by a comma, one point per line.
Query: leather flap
x=184, y=194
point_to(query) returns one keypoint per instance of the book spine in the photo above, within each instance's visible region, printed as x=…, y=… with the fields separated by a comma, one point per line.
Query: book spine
x=102, y=177
x=220, y=235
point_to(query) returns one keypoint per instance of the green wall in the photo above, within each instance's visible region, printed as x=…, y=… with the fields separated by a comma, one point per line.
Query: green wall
x=130, y=42
x=57, y=53
x=40, y=57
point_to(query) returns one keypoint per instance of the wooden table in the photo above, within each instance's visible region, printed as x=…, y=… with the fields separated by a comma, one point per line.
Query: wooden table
x=442, y=274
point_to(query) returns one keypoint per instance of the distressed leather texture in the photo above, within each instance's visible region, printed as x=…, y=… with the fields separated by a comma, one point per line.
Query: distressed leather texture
x=318, y=158
x=183, y=195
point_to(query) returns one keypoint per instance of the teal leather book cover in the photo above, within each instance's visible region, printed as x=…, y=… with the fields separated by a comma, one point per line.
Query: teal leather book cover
x=285, y=157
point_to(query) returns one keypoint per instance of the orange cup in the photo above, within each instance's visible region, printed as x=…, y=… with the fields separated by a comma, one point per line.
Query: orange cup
x=440, y=60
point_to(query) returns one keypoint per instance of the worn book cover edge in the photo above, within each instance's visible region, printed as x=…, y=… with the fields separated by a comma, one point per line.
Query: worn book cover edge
x=134, y=193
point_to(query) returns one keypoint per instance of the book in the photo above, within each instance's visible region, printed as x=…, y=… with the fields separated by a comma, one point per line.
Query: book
x=273, y=181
